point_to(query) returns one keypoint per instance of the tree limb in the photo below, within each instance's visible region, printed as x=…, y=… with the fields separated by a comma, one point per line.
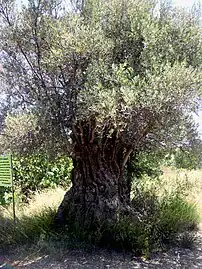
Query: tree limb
x=126, y=158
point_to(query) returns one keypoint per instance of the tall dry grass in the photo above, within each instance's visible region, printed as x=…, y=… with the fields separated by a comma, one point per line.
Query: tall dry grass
x=187, y=181
x=32, y=221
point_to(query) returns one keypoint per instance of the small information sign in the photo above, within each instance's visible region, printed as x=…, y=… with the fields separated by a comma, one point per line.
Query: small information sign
x=6, y=176
x=5, y=171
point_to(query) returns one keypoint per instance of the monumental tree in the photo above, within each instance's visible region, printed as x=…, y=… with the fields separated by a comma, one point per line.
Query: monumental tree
x=102, y=79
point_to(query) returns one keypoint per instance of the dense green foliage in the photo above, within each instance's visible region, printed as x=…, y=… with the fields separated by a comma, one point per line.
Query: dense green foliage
x=38, y=172
x=125, y=68
x=35, y=173
x=145, y=163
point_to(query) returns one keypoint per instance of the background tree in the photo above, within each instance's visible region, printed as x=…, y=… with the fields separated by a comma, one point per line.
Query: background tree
x=185, y=158
x=113, y=78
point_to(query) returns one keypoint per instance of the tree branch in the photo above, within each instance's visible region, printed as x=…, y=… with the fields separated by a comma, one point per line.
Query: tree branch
x=126, y=158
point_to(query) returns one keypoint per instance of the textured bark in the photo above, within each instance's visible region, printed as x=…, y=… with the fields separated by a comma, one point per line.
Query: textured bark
x=100, y=190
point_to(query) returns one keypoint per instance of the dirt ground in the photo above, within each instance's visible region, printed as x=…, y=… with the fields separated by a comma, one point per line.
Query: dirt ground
x=105, y=259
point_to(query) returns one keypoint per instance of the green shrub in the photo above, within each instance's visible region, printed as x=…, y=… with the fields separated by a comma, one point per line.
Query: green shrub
x=165, y=213
x=143, y=164
x=36, y=173
x=175, y=216
x=127, y=234
x=5, y=195
x=160, y=220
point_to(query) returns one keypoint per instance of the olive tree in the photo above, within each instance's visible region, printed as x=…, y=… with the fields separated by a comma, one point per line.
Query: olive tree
x=104, y=79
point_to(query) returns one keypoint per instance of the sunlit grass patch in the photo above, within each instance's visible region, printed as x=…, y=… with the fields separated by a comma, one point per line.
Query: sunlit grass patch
x=166, y=207
x=32, y=221
x=187, y=182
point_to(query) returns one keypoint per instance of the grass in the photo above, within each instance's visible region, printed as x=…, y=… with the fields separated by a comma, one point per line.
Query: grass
x=188, y=181
x=33, y=221
x=162, y=203
x=170, y=208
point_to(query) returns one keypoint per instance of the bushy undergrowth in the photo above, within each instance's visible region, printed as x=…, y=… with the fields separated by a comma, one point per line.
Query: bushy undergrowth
x=159, y=222
x=33, y=222
x=166, y=209
x=27, y=229
x=163, y=217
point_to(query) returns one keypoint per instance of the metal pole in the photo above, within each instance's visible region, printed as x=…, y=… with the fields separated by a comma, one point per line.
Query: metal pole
x=13, y=190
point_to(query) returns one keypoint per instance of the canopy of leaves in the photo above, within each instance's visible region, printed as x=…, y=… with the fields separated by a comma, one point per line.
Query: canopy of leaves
x=131, y=68
x=17, y=131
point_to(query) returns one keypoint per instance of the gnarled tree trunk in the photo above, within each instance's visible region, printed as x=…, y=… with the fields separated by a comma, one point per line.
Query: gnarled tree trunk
x=100, y=190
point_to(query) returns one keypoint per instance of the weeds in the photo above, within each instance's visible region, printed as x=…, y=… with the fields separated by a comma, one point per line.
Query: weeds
x=167, y=216
x=33, y=221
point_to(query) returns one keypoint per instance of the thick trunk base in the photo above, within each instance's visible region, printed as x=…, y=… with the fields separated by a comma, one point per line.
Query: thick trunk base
x=99, y=194
x=97, y=222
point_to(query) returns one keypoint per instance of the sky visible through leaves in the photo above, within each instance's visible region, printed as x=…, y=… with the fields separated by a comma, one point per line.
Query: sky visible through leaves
x=183, y=3
x=189, y=3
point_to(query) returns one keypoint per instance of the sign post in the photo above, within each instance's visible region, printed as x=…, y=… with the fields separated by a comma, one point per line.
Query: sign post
x=6, y=176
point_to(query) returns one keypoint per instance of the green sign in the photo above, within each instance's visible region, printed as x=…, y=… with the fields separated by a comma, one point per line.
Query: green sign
x=5, y=171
